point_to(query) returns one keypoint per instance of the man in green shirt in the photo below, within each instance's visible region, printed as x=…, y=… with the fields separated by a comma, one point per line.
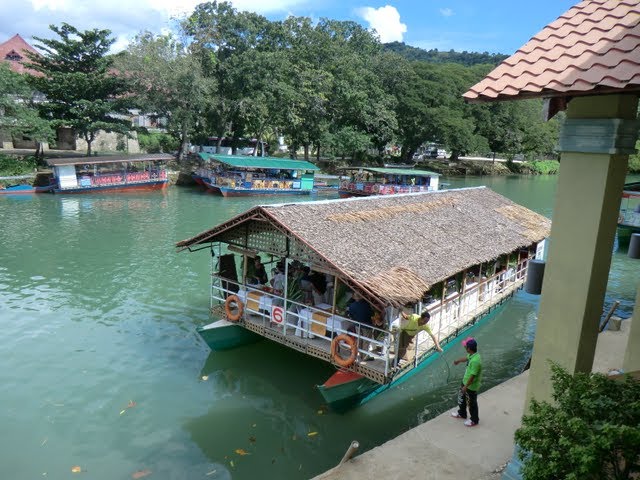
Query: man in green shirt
x=471, y=381
x=410, y=326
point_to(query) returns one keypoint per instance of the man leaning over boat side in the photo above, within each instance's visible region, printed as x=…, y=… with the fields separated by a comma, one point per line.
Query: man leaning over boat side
x=410, y=326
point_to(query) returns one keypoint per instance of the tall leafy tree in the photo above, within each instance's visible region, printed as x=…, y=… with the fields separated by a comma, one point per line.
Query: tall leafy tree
x=169, y=81
x=81, y=90
x=221, y=35
x=18, y=110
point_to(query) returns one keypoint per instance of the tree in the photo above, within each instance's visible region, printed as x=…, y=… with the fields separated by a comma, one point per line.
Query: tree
x=80, y=88
x=591, y=431
x=18, y=112
x=169, y=82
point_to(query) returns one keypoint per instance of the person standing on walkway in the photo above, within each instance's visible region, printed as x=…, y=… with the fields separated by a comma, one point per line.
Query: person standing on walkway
x=468, y=394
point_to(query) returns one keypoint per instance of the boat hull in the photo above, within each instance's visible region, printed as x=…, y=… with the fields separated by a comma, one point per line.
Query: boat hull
x=344, y=390
x=24, y=190
x=225, y=335
x=350, y=193
x=242, y=192
x=156, y=185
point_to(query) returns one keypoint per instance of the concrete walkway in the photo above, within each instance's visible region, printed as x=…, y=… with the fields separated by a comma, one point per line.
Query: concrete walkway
x=444, y=449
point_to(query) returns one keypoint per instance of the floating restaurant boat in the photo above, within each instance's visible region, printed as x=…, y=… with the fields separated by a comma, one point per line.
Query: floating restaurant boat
x=629, y=217
x=234, y=175
x=366, y=181
x=109, y=173
x=455, y=253
x=24, y=189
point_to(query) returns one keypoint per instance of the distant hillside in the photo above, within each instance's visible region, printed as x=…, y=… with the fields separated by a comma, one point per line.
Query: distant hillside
x=436, y=56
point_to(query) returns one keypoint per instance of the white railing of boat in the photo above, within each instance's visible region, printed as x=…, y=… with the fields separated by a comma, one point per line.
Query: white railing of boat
x=373, y=343
x=629, y=217
x=383, y=188
x=448, y=316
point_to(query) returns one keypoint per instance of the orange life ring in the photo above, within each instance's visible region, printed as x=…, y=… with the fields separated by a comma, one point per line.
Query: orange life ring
x=227, y=308
x=335, y=355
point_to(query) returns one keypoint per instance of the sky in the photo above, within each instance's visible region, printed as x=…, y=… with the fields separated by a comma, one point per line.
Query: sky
x=494, y=26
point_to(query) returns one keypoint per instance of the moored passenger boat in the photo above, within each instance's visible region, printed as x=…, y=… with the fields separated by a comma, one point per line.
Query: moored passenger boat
x=629, y=217
x=343, y=271
x=24, y=189
x=367, y=181
x=235, y=175
x=109, y=173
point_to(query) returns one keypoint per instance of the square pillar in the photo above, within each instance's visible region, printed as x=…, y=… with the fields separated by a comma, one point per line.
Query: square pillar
x=595, y=145
x=631, y=361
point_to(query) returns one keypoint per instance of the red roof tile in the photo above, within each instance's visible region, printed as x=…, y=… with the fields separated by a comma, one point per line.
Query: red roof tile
x=592, y=48
x=13, y=52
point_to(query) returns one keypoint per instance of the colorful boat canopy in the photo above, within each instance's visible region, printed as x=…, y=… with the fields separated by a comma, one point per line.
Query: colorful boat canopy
x=396, y=171
x=259, y=162
x=56, y=162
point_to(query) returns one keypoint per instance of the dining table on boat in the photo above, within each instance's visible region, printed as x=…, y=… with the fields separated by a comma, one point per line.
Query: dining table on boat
x=318, y=321
x=256, y=300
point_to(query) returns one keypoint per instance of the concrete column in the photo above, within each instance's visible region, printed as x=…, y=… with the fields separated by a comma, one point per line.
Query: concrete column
x=582, y=234
x=632, y=354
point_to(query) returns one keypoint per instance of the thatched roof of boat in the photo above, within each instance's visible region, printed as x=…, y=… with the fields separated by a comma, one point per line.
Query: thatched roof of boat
x=398, y=246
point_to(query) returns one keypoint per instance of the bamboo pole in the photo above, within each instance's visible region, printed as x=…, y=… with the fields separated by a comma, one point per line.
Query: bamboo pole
x=350, y=451
x=608, y=317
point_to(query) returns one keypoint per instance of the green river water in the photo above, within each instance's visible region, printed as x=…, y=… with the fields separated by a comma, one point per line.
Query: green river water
x=98, y=310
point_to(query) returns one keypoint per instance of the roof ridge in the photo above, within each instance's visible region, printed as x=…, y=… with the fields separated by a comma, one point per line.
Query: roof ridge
x=370, y=198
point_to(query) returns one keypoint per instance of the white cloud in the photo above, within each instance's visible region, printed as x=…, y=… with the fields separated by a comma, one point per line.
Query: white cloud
x=183, y=7
x=446, y=12
x=385, y=21
x=52, y=5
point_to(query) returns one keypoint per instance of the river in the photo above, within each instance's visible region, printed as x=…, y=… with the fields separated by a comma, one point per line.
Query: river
x=103, y=370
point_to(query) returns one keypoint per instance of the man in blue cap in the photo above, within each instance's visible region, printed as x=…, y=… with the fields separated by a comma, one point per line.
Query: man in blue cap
x=471, y=381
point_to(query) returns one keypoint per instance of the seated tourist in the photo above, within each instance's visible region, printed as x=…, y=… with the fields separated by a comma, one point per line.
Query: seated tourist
x=258, y=275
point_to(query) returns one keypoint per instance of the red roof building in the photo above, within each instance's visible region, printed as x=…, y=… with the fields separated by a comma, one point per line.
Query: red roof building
x=593, y=48
x=14, y=51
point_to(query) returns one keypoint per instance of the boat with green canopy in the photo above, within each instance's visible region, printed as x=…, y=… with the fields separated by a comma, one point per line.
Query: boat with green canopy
x=367, y=181
x=235, y=175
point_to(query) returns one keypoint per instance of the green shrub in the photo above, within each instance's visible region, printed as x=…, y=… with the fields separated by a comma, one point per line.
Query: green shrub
x=157, y=142
x=12, y=166
x=634, y=162
x=542, y=167
x=590, y=432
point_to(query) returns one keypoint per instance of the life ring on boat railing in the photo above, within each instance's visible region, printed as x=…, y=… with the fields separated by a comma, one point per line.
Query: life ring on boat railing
x=233, y=317
x=376, y=188
x=335, y=346
x=344, y=184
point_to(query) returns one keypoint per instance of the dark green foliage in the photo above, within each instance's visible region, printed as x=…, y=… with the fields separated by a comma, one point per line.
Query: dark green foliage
x=80, y=89
x=434, y=56
x=18, y=113
x=14, y=166
x=157, y=142
x=542, y=167
x=634, y=160
x=591, y=432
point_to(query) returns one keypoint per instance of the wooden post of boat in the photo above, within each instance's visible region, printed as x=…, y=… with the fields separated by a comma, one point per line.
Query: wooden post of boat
x=335, y=295
x=350, y=451
x=245, y=261
x=608, y=317
x=286, y=290
x=462, y=287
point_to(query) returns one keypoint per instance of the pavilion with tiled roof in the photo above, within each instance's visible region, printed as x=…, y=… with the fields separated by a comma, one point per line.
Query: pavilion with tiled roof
x=586, y=62
x=14, y=51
